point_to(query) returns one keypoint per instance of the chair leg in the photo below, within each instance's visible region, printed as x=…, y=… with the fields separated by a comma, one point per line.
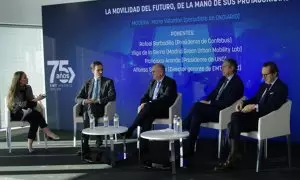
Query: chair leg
x=74, y=134
x=138, y=142
x=195, y=146
x=288, y=138
x=124, y=148
x=259, y=153
x=266, y=149
x=170, y=145
x=8, y=130
x=7, y=138
x=45, y=141
x=38, y=139
x=220, y=141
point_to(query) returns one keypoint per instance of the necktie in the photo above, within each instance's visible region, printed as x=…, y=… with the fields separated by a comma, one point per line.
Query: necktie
x=95, y=89
x=222, y=89
x=155, y=94
x=265, y=94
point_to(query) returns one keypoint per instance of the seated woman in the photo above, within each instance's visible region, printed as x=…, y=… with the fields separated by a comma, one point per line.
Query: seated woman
x=22, y=104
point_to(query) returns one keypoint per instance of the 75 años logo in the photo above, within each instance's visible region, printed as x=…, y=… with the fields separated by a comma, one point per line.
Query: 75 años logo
x=61, y=71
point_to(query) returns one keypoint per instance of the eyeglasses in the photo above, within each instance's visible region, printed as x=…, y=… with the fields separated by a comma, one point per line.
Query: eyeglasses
x=266, y=75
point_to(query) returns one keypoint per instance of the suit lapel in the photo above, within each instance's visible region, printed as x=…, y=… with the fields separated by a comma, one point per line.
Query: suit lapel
x=101, y=89
x=152, y=88
x=274, y=86
x=91, y=86
x=160, y=91
x=229, y=83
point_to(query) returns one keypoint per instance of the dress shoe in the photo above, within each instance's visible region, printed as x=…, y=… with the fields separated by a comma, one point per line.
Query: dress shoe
x=147, y=164
x=166, y=166
x=87, y=158
x=230, y=164
x=186, y=163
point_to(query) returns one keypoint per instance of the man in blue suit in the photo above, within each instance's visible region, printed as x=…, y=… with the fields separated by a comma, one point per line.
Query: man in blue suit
x=229, y=89
x=271, y=96
x=93, y=96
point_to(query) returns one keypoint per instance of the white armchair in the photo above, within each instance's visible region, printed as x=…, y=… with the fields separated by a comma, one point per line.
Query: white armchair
x=13, y=125
x=279, y=120
x=109, y=109
x=224, y=119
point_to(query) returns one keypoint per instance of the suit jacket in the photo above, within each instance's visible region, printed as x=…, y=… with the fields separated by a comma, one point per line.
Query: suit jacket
x=232, y=92
x=275, y=98
x=167, y=93
x=106, y=92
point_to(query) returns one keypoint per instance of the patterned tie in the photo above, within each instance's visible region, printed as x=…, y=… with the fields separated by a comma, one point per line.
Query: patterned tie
x=95, y=89
x=265, y=94
x=222, y=89
x=155, y=94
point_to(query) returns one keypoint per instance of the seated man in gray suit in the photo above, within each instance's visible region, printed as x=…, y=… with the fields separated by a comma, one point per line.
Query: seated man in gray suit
x=94, y=95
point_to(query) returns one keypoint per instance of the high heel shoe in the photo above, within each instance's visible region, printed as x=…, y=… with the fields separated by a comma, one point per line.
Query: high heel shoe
x=31, y=151
x=54, y=138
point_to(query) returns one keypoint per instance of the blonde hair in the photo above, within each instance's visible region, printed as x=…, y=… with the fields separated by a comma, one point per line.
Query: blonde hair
x=14, y=89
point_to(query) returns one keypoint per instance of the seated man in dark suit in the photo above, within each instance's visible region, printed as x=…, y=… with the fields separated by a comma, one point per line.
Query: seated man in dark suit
x=94, y=95
x=271, y=96
x=155, y=103
x=229, y=89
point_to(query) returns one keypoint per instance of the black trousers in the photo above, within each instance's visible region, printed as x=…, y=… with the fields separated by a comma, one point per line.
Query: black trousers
x=199, y=113
x=86, y=124
x=35, y=120
x=147, y=115
x=145, y=119
x=242, y=122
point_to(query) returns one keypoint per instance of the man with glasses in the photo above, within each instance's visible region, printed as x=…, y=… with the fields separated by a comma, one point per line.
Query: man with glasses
x=270, y=96
x=229, y=89
x=93, y=96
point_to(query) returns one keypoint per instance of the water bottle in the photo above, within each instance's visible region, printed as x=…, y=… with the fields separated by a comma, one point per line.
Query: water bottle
x=179, y=124
x=92, y=121
x=116, y=120
x=175, y=123
x=105, y=120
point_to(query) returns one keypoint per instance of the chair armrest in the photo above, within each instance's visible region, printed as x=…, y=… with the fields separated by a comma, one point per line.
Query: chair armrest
x=6, y=114
x=40, y=108
x=175, y=109
x=110, y=109
x=6, y=117
x=225, y=114
x=276, y=123
x=76, y=111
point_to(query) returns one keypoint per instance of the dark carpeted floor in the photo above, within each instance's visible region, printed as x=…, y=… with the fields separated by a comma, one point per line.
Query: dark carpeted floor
x=201, y=166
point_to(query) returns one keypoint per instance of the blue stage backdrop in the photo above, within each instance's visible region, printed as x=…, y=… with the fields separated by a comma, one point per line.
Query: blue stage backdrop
x=190, y=37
